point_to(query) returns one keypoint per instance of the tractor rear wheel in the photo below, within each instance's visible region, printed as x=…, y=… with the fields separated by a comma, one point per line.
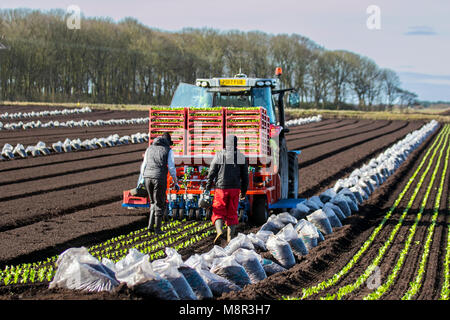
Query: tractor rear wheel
x=293, y=175
x=260, y=211
x=284, y=168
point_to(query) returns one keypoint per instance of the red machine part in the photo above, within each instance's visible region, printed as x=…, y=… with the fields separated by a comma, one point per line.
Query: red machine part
x=200, y=133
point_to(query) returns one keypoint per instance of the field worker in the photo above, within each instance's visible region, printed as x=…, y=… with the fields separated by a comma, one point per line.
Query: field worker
x=158, y=160
x=229, y=172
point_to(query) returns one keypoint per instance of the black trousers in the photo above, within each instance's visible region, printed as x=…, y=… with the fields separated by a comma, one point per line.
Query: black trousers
x=156, y=189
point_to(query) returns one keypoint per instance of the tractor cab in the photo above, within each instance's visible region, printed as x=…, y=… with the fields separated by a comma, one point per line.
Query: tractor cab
x=237, y=92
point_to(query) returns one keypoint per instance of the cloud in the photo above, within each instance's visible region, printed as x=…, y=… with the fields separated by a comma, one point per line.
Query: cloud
x=432, y=87
x=420, y=31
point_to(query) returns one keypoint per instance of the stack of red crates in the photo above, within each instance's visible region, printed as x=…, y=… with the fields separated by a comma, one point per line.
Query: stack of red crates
x=200, y=131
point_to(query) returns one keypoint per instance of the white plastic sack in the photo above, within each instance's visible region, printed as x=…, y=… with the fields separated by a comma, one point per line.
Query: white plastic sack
x=198, y=285
x=137, y=272
x=271, y=267
x=240, y=241
x=231, y=270
x=286, y=217
x=311, y=205
x=217, y=284
x=320, y=220
x=327, y=195
x=332, y=218
x=304, y=209
x=281, y=251
x=250, y=260
x=342, y=203
x=289, y=234
x=79, y=270
x=279, y=223
x=308, y=233
x=264, y=235
x=196, y=262
x=337, y=211
x=215, y=252
x=177, y=280
x=317, y=201
x=258, y=243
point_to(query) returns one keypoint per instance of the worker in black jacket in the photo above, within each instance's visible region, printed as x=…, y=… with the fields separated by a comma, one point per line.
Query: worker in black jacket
x=229, y=172
x=158, y=161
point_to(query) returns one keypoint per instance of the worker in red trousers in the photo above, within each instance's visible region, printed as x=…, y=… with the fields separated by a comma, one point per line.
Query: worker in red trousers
x=229, y=173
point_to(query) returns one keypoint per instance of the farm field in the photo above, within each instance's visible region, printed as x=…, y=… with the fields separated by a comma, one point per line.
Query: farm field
x=51, y=203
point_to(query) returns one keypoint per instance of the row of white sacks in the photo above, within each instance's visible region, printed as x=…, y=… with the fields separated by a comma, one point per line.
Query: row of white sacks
x=287, y=236
x=19, y=151
x=303, y=121
x=71, y=123
x=45, y=113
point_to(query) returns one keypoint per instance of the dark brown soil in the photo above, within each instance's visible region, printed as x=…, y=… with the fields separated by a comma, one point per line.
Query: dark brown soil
x=51, y=203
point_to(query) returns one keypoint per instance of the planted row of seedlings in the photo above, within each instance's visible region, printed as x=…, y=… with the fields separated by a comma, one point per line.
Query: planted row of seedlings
x=40, y=149
x=416, y=284
x=343, y=291
x=445, y=291
x=72, y=123
x=45, y=113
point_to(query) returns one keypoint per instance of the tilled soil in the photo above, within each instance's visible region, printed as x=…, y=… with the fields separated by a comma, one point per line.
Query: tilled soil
x=51, y=135
x=52, y=203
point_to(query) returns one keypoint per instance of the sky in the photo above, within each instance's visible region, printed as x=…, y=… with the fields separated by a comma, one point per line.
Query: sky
x=411, y=37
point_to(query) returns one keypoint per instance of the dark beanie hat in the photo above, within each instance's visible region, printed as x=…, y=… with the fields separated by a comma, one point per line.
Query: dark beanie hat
x=167, y=136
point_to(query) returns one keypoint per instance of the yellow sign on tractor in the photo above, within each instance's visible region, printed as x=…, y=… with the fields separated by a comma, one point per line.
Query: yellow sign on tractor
x=233, y=82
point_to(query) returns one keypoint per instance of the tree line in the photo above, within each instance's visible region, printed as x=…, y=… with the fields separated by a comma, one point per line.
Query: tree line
x=41, y=59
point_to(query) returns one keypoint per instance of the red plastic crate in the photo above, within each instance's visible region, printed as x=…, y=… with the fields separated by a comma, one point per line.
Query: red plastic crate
x=205, y=128
x=252, y=127
x=129, y=200
x=173, y=121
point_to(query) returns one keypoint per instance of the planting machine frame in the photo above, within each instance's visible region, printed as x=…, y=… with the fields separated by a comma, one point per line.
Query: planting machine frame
x=245, y=107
